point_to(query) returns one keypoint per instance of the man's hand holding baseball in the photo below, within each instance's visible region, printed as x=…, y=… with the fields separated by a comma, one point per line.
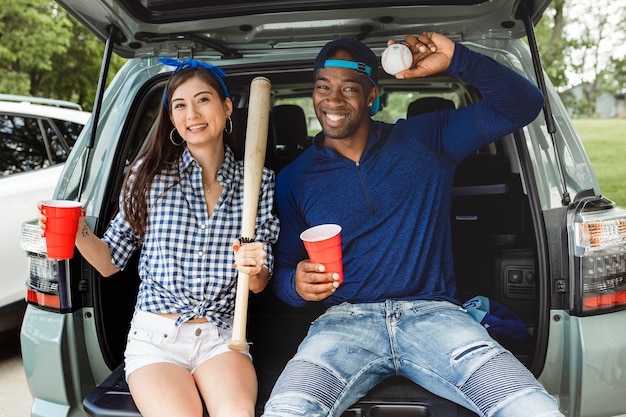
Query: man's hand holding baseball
x=432, y=54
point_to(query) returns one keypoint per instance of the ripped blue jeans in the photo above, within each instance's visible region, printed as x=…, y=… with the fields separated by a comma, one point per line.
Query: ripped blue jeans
x=352, y=347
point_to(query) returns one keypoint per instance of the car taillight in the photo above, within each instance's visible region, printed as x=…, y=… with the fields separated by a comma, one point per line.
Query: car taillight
x=599, y=239
x=47, y=283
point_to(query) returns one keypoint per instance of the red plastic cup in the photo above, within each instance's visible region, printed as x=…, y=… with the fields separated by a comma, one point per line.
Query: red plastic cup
x=61, y=226
x=323, y=244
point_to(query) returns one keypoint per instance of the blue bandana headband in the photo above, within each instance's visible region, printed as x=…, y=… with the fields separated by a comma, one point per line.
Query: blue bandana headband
x=360, y=68
x=217, y=72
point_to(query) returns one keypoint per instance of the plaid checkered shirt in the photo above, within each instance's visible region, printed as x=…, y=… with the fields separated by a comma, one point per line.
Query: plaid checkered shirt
x=186, y=261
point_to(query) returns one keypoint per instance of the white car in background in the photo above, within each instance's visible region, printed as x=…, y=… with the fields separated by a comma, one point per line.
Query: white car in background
x=36, y=136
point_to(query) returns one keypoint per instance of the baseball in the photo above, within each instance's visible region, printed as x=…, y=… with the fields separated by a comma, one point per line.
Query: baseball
x=396, y=58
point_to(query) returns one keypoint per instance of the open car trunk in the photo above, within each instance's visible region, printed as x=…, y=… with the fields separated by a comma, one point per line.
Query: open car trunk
x=494, y=247
x=555, y=260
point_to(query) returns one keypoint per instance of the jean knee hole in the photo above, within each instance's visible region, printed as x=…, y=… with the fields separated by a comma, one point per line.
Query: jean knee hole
x=469, y=350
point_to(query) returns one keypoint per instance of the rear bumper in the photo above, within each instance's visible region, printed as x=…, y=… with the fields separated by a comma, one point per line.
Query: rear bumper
x=393, y=397
x=603, y=354
x=585, y=367
x=54, y=362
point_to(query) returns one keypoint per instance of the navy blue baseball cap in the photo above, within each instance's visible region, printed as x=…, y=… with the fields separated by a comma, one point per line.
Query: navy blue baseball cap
x=365, y=62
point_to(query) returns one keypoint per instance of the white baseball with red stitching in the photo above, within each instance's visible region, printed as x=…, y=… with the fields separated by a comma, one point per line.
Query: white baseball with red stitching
x=396, y=58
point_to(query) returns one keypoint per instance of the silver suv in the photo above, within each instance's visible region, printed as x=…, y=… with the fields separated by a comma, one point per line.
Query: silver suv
x=531, y=228
x=36, y=136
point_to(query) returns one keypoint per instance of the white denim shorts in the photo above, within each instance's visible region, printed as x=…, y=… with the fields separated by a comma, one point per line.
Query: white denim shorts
x=155, y=339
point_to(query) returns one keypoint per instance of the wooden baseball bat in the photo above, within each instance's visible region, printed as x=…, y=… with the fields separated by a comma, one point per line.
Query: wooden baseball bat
x=254, y=159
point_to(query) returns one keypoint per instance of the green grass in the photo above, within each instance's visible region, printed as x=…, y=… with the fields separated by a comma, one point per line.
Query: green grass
x=605, y=143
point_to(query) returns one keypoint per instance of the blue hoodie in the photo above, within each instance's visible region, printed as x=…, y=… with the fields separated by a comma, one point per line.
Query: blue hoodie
x=394, y=204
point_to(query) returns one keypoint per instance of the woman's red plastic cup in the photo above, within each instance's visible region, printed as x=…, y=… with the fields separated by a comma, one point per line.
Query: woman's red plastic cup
x=61, y=226
x=323, y=244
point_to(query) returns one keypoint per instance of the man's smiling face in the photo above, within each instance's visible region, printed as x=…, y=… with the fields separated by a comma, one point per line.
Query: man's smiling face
x=342, y=98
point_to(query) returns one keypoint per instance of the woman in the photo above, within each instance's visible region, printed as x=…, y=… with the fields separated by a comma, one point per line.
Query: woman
x=181, y=204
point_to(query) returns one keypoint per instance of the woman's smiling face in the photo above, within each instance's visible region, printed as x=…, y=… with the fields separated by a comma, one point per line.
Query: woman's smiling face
x=198, y=113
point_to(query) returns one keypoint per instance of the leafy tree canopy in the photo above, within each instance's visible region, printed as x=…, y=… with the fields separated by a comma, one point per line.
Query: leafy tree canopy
x=46, y=53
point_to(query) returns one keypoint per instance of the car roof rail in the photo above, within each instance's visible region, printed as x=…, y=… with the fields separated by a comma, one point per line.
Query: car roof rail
x=41, y=100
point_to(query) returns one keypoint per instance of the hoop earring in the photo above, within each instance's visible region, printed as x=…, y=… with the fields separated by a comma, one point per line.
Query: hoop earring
x=229, y=126
x=172, y=139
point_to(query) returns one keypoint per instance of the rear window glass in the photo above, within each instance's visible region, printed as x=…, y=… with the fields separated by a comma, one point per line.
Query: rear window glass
x=62, y=136
x=395, y=107
x=29, y=143
x=22, y=145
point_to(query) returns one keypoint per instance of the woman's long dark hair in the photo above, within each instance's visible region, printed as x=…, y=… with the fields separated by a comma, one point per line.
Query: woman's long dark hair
x=160, y=153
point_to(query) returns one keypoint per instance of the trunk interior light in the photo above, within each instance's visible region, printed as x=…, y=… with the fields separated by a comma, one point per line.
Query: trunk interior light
x=47, y=283
x=600, y=261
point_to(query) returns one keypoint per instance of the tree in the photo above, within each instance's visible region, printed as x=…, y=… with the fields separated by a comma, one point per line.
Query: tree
x=615, y=75
x=580, y=45
x=45, y=52
x=84, y=70
x=594, y=35
x=22, y=57
x=552, y=42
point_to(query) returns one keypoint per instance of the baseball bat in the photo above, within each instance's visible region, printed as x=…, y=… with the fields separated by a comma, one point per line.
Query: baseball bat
x=254, y=159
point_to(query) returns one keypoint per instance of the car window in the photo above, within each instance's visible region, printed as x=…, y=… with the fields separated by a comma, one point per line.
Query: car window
x=62, y=136
x=313, y=125
x=21, y=145
x=395, y=107
x=396, y=103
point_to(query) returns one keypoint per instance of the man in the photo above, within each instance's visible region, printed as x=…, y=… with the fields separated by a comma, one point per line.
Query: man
x=389, y=187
